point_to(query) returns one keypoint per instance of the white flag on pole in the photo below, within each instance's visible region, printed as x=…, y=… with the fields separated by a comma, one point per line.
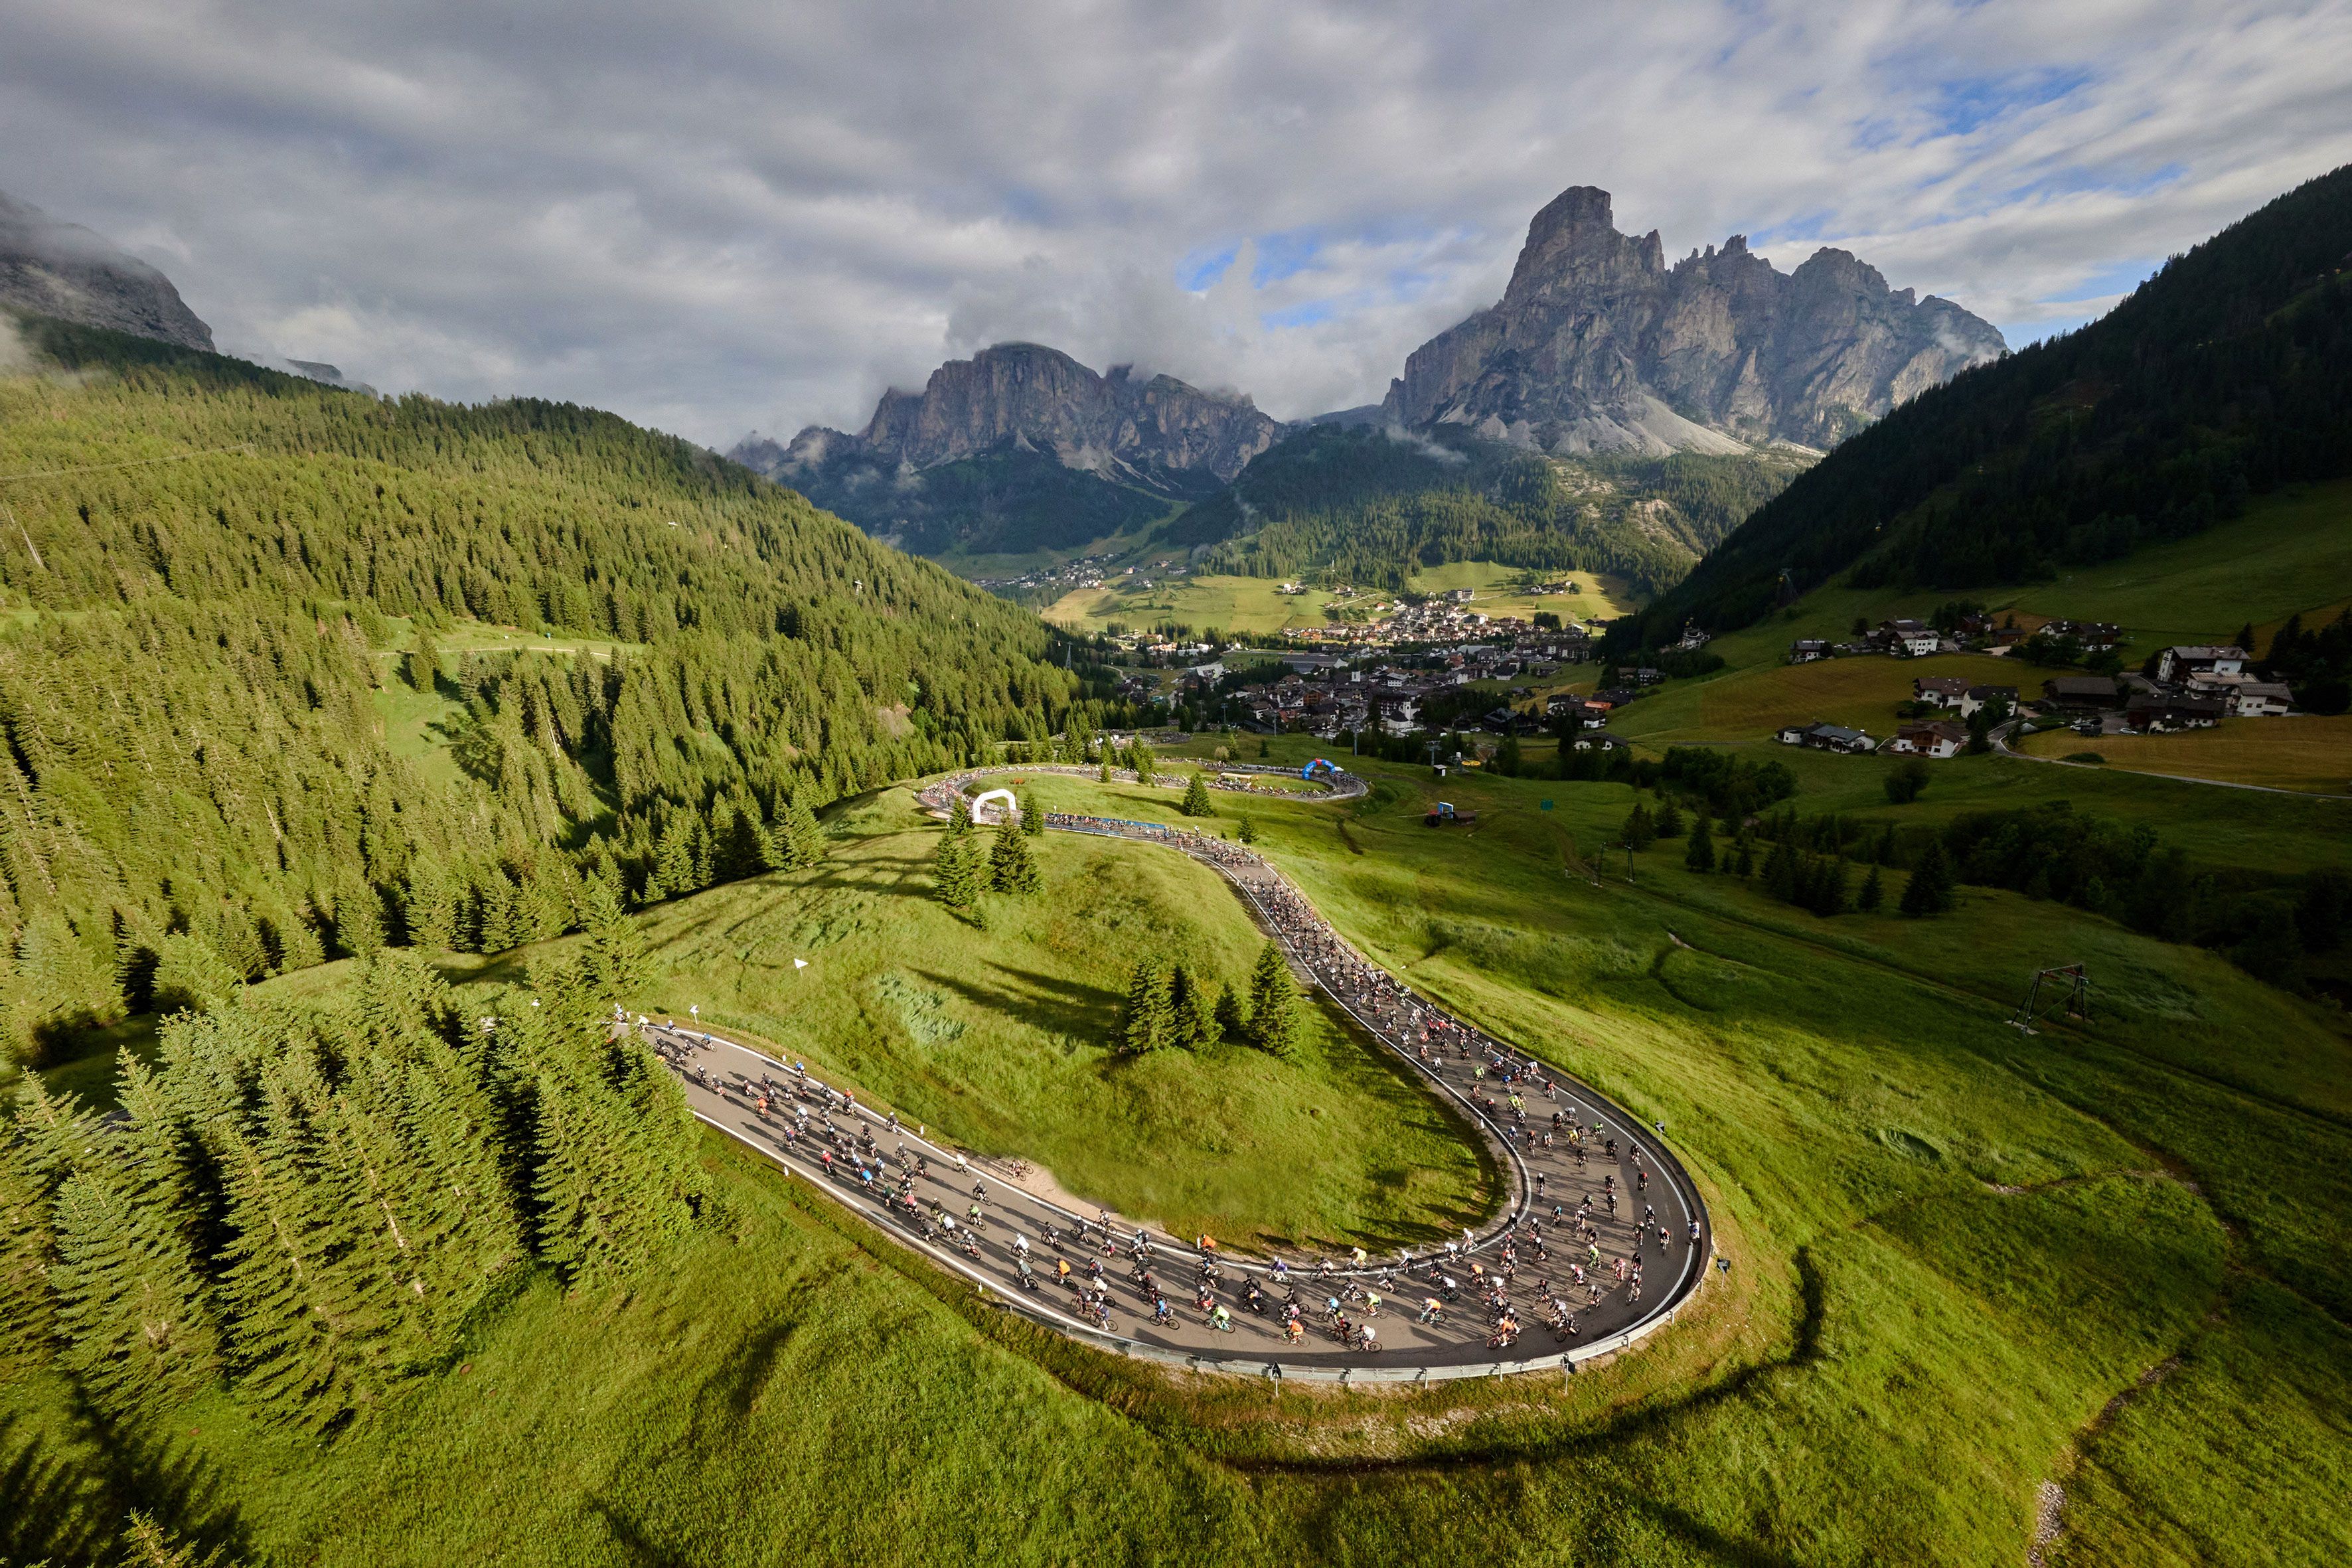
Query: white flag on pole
x=800, y=963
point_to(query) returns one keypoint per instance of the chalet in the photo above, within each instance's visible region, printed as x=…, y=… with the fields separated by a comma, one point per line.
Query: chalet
x=1460, y=595
x=1827, y=738
x=2090, y=637
x=1807, y=650
x=1932, y=738
x=1647, y=676
x=1616, y=695
x=1907, y=638
x=2081, y=693
x=1940, y=690
x=2261, y=700
x=2179, y=666
x=2161, y=712
x=1561, y=701
x=1980, y=696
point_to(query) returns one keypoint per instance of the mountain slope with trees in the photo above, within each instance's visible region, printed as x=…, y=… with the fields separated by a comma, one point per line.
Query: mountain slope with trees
x=2224, y=376
x=1362, y=504
x=209, y=573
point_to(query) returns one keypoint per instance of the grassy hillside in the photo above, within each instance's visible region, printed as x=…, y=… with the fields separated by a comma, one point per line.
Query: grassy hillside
x=1251, y=604
x=1001, y=1037
x=2111, y=1255
x=2221, y=378
x=2288, y=555
x=284, y=671
x=1356, y=505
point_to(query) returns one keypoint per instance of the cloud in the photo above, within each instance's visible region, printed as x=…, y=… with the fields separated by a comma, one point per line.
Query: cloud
x=724, y=214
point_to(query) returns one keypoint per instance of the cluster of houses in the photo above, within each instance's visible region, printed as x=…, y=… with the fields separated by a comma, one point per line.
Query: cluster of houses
x=1328, y=694
x=1904, y=638
x=2193, y=687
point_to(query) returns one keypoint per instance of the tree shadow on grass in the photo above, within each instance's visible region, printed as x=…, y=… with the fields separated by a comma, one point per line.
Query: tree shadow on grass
x=1043, y=1002
x=71, y=1510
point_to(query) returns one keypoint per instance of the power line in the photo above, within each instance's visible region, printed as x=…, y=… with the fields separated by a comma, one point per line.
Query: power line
x=133, y=463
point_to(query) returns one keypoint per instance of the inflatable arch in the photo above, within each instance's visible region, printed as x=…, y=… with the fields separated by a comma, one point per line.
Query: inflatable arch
x=980, y=804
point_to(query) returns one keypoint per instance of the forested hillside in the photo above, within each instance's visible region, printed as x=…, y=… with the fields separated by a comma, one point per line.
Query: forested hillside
x=216, y=580
x=2224, y=376
x=1362, y=506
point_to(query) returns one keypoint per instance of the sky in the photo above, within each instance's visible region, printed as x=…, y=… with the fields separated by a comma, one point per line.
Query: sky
x=716, y=216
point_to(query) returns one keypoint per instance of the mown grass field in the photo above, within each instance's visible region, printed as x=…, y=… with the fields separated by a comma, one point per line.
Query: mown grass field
x=1253, y=605
x=2289, y=553
x=1966, y=1261
x=1753, y=703
x=1495, y=590
x=2305, y=751
x=1249, y=604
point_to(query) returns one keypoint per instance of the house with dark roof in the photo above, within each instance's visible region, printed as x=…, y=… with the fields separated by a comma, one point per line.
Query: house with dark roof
x=1930, y=738
x=2081, y=693
x=1827, y=738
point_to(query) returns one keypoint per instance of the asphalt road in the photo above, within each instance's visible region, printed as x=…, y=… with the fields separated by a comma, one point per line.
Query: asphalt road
x=1089, y=1277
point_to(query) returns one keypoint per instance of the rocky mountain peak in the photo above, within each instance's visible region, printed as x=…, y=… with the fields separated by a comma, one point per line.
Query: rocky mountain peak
x=62, y=269
x=1155, y=430
x=1598, y=345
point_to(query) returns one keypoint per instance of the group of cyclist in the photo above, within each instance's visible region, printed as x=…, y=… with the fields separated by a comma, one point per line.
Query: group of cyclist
x=1562, y=1259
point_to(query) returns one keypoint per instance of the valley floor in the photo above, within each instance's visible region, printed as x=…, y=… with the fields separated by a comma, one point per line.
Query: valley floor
x=1968, y=1264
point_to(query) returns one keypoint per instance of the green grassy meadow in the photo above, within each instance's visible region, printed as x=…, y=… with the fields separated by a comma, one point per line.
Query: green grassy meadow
x=1966, y=1261
x=1254, y=604
x=2290, y=552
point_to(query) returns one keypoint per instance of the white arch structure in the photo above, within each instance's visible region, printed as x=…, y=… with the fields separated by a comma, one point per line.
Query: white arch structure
x=1011, y=806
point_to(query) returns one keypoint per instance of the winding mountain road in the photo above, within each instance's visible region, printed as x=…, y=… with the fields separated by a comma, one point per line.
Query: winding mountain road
x=1596, y=1217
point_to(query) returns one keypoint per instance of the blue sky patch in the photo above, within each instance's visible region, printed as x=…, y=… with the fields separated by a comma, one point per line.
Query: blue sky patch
x=1966, y=104
x=1199, y=269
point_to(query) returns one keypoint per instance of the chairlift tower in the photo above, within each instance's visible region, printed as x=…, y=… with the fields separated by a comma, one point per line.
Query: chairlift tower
x=2076, y=980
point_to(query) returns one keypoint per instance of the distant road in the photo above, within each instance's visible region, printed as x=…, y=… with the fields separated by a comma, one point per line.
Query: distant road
x=725, y=1082
x=2000, y=738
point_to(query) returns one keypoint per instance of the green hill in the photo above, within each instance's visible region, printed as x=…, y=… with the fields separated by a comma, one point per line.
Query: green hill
x=2225, y=376
x=1356, y=504
x=259, y=709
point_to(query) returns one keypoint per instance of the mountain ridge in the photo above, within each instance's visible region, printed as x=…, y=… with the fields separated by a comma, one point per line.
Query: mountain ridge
x=51, y=268
x=1598, y=345
x=2226, y=374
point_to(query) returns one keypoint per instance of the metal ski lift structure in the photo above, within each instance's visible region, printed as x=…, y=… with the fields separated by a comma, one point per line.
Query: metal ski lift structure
x=2073, y=980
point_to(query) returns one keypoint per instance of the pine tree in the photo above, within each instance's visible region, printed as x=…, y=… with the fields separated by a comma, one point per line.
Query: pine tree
x=1669, y=823
x=1746, y=866
x=1873, y=894
x=1275, y=1021
x=1196, y=798
x=956, y=871
x=147, y=1544
x=1700, y=855
x=1192, y=1010
x=130, y=1314
x=1105, y=775
x=959, y=815
x=1033, y=821
x=673, y=860
x=1639, y=830
x=1145, y=772
x=1233, y=1023
x=1245, y=831
x=801, y=836
x=1147, y=1020
x=612, y=958
x=1010, y=869
x=27, y=1306
x=1930, y=890
x=422, y=665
